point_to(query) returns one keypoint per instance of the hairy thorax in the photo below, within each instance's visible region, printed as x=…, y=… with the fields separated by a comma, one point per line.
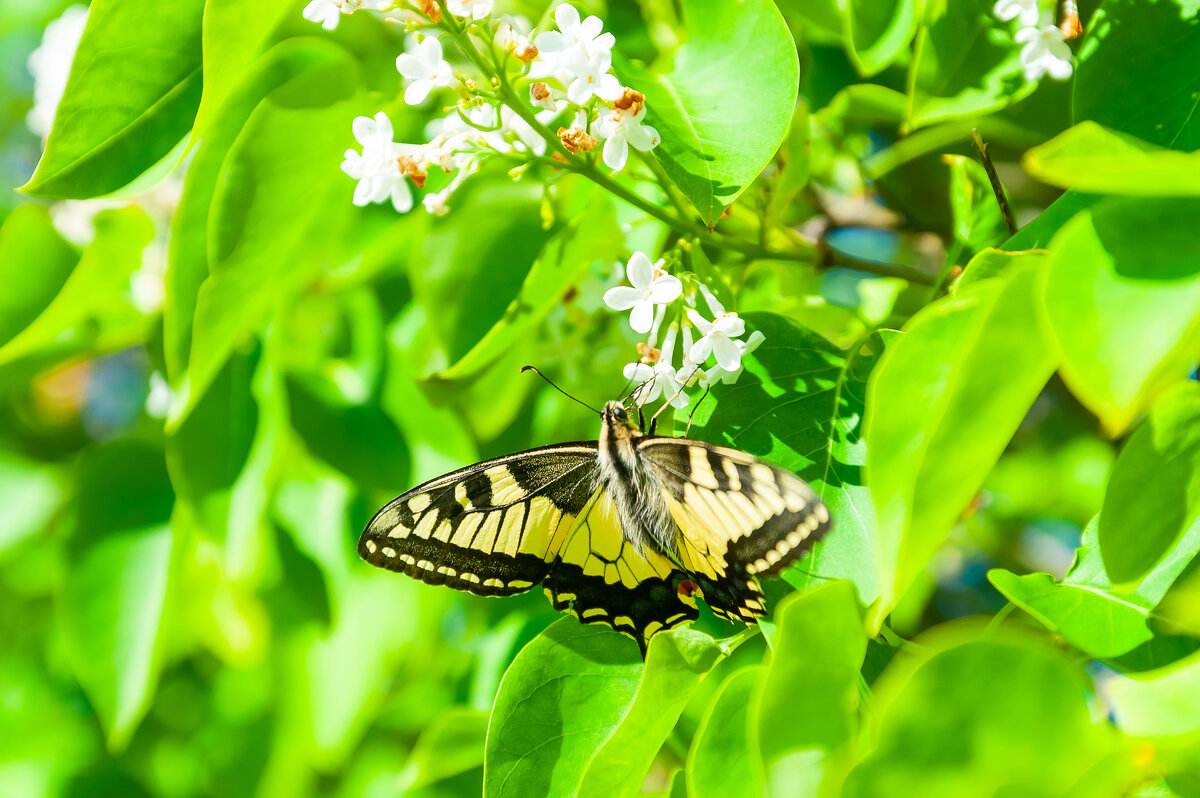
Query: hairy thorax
x=634, y=488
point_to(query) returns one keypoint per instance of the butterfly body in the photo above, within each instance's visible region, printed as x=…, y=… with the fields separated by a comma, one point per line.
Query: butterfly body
x=625, y=531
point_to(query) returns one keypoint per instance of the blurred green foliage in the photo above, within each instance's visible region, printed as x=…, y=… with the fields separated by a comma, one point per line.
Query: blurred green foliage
x=214, y=368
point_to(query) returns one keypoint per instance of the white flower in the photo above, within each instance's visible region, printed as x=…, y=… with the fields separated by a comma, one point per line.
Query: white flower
x=475, y=9
x=426, y=68
x=718, y=374
x=716, y=338
x=377, y=169
x=549, y=99
x=158, y=399
x=50, y=65
x=622, y=129
x=1044, y=52
x=329, y=12
x=590, y=77
x=436, y=202
x=659, y=378
x=512, y=36
x=651, y=286
x=1026, y=11
x=574, y=38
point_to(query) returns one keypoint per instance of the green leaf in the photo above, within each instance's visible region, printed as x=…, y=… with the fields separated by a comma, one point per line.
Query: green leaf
x=26, y=237
x=1153, y=494
x=799, y=404
x=1151, y=98
x=131, y=97
x=1085, y=608
x=877, y=31
x=820, y=647
x=578, y=714
x=990, y=262
x=114, y=599
x=723, y=761
x=1123, y=300
x=558, y=703
x=965, y=65
x=1038, y=233
x=1159, y=703
x=716, y=136
x=565, y=258
x=453, y=744
x=91, y=310
x=234, y=34
x=31, y=494
x=188, y=266
x=474, y=266
x=675, y=664
x=978, y=222
x=1089, y=157
x=967, y=371
x=280, y=200
x=1001, y=716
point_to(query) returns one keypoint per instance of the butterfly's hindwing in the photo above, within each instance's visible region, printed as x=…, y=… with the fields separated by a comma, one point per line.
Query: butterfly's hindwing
x=601, y=577
x=739, y=519
x=492, y=528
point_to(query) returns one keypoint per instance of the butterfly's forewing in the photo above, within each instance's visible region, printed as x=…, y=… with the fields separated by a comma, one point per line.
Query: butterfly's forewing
x=739, y=518
x=493, y=528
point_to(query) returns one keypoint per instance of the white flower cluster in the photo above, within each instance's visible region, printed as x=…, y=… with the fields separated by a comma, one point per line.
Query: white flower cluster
x=650, y=292
x=1044, y=50
x=568, y=71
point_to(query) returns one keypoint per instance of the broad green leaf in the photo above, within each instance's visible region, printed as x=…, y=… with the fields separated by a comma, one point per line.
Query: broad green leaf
x=819, y=650
x=1089, y=157
x=92, y=309
x=577, y=714
x=131, y=97
x=1085, y=608
x=723, y=761
x=997, y=716
x=990, y=262
x=558, y=704
x=280, y=199
x=31, y=494
x=799, y=404
x=114, y=600
x=716, y=135
x=865, y=102
x=474, y=263
x=1160, y=703
x=234, y=33
x=565, y=258
x=1153, y=494
x=26, y=238
x=875, y=32
x=188, y=262
x=1122, y=297
x=965, y=65
x=941, y=406
x=1151, y=98
x=675, y=664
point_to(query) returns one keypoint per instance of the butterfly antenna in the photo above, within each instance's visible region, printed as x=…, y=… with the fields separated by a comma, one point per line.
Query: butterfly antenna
x=695, y=407
x=666, y=404
x=538, y=372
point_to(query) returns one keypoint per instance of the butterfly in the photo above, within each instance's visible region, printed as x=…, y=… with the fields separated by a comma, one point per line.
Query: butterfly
x=626, y=531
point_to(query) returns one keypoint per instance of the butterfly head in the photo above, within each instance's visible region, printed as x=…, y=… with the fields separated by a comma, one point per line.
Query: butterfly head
x=617, y=417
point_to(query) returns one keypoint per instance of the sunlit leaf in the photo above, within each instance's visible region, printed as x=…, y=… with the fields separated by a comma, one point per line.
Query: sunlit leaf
x=28, y=236
x=1161, y=703
x=132, y=95
x=1123, y=299
x=942, y=405
x=717, y=137
x=876, y=31
x=1089, y=157
x=723, y=761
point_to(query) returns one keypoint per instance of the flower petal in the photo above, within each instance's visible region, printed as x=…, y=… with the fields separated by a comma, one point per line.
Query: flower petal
x=616, y=153
x=729, y=357
x=417, y=91
x=700, y=350
x=550, y=41
x=567, y=17
x=642, y=137
x=701, y=324
x=640, y=272
x=609, y=88
x=622, y=297
x=665, y=289
x=402, y=199
x=362, y=193
x=642, y=317
x=637, y=371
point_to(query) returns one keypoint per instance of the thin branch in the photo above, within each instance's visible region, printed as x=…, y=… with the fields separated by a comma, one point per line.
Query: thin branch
x=997, y=188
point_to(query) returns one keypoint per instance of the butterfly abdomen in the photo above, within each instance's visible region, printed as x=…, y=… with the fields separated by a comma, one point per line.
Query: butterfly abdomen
x=635, y=490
